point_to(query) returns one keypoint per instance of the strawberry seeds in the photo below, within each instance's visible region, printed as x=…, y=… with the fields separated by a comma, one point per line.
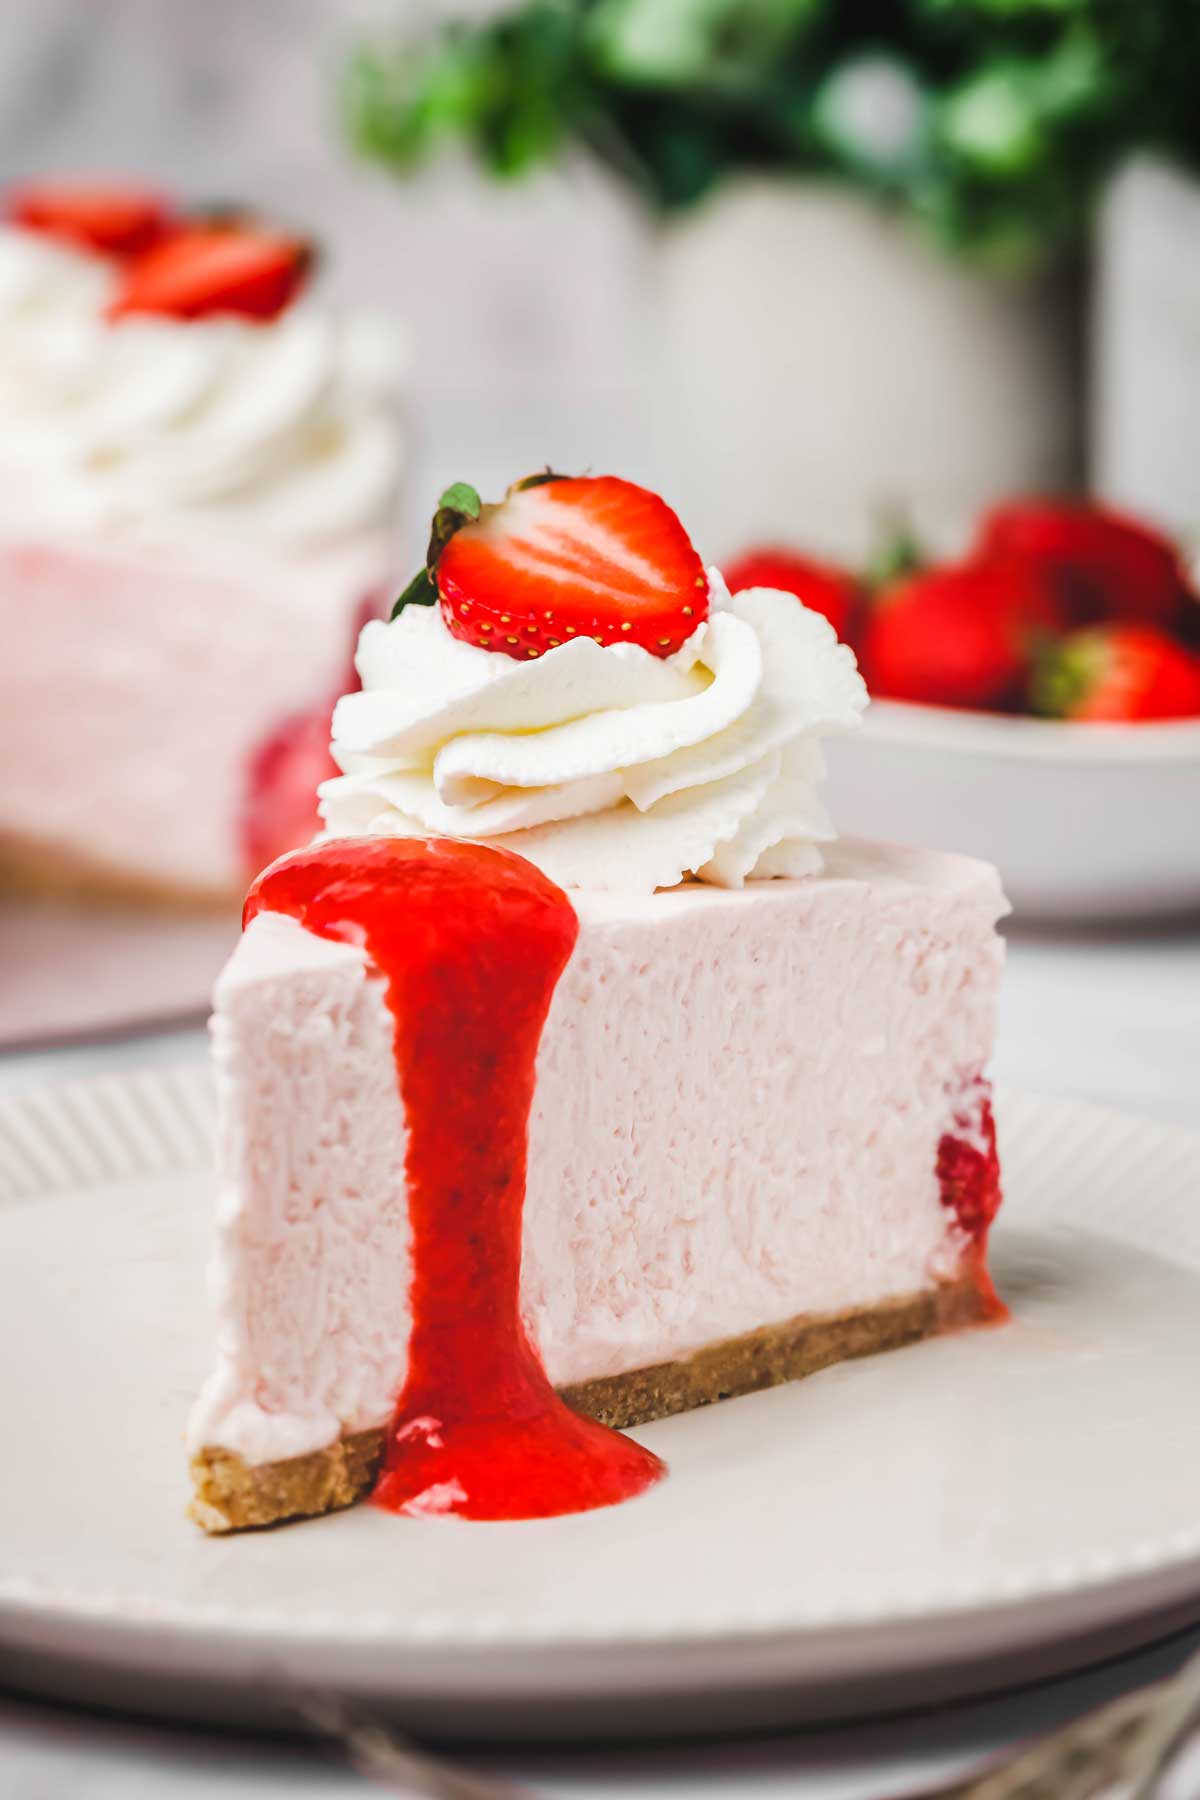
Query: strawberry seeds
x=562, y=557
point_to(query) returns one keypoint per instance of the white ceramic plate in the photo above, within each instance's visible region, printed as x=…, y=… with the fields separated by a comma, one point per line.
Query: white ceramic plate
x=938, y=1521
x=1083, y=821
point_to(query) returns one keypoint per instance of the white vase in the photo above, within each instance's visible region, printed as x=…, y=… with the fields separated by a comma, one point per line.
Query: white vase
x=817, y=365
x=1145, y=372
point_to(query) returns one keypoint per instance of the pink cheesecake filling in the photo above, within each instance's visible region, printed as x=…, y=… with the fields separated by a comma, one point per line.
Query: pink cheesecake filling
x=740, y=1102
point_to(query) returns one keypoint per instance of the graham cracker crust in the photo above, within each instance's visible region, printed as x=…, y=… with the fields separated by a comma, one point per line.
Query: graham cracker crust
x=33, y=870
x=233, y=1496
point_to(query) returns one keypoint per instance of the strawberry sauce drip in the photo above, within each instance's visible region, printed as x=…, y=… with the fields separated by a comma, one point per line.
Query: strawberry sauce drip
x=470, y=942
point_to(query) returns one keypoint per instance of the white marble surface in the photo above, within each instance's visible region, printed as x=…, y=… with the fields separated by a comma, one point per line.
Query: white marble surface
x=1113, y=1017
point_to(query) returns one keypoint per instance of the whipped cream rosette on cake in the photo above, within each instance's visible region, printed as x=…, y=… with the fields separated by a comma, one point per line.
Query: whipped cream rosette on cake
x=609, y=765
x=275, y=432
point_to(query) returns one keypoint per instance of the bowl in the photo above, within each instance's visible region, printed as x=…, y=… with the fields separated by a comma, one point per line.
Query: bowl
x=1086, y=823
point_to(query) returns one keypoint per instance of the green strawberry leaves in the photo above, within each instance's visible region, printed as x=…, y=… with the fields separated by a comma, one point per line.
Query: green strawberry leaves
x=421, y=591
x=460, y=505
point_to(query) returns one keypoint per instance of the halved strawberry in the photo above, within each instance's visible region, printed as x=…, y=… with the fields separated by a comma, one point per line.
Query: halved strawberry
x=118, y=221
x=215, y=268
x=562, y=557
x=820, y=586
x=1118, y=673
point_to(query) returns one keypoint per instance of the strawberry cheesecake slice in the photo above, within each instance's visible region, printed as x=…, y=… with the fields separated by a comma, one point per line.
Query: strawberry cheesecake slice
x=201, y=470
x=579, y=1062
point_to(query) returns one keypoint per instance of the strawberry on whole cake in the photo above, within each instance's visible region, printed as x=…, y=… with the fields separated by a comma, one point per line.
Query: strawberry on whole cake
x=201, y=471
x=578, y=1074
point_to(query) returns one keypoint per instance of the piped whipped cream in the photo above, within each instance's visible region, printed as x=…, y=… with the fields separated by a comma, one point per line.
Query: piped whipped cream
x=283, y=431
x=610, y=768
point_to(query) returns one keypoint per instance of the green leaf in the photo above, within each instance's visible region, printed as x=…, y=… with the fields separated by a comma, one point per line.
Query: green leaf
x=992, y=121
x=419, y=592
x=461, y=497
x=460, y=505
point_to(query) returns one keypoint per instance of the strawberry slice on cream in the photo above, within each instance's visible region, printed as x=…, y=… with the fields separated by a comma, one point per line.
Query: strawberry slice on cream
x=562, y=557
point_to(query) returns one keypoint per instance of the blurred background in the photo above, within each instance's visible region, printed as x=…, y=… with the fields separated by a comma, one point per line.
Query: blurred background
x=926, y=253
x=520, y=303
x=836, y=278
x=968, y=229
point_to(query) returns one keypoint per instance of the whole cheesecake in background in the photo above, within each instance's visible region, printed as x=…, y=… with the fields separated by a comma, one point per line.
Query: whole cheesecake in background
x=752, y=1089
x=201, y=472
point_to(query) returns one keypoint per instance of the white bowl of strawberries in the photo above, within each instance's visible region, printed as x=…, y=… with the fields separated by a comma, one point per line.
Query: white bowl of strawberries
x=1036, y=702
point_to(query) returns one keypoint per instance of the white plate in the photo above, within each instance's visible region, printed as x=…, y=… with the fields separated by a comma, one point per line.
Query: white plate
x=1083, y=821
x=938, y=1521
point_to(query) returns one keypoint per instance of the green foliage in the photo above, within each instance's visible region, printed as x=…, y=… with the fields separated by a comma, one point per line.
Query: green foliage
x=508, y=88
x=990, y=121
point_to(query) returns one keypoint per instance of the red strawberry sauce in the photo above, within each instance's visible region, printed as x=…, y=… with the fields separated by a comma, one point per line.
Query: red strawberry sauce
x=470, y=943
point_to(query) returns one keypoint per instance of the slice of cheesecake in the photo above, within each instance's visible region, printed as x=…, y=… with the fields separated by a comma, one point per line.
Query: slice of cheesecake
x=198, y=500
x=760, y=1142
x=163, y=704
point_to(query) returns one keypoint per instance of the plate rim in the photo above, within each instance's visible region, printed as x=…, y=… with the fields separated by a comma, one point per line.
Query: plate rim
x=1020, y=738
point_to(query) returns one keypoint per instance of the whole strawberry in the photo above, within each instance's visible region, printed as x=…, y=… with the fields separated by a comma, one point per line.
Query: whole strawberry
x=962, y=634
x=1118, y=673
x=1103, y=565
x=820, y=586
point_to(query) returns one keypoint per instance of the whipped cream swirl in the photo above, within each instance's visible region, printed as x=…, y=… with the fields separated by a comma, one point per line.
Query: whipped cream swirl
x=283, y=431
x=609, y=768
